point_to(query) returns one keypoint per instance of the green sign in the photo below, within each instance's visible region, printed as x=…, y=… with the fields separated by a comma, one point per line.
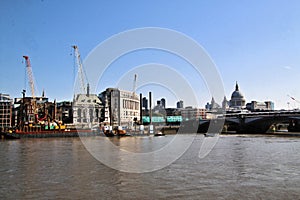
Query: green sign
x=158, y=119
x=174, y=119
x=146, y=119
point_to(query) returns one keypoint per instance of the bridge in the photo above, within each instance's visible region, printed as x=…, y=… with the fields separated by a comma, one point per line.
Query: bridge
x=256, y=122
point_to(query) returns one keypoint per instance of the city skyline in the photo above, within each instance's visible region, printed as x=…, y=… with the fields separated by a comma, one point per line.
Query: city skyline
x=254, y=43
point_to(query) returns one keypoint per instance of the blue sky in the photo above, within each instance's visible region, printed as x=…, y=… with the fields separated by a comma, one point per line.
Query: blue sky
x=256, y=43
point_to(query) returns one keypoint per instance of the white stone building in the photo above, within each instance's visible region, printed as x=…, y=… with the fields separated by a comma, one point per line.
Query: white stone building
x=86, y=110
x=237, y=100
x=121, y=107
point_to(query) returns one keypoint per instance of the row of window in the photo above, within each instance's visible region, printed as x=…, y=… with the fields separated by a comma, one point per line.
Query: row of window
x=8, y=106
x=130, y=113
x=4, y=116
x=129, y=104
x=84, y=120
x=4, y=121
x=4, y=112
x=83, y=113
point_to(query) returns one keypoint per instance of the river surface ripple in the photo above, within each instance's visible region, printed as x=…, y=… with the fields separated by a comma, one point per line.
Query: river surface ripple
x=238, y=167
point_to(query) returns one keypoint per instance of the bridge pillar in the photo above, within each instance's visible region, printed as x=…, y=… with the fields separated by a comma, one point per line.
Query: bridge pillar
x=294, y=125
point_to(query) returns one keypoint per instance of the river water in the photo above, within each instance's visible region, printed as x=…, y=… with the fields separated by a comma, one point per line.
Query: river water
x=238, y=167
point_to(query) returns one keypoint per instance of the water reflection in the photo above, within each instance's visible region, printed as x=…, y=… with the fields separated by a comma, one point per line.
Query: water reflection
x=237, y=168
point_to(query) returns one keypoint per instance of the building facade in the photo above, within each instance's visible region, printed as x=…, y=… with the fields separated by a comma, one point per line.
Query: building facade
x=260, y=106
x=145, y=103
x=64, y=112
x=121, y=108
x=30, y=111
x=179, y=104
x=5, y=111
x=190, y=113
x=86, y=110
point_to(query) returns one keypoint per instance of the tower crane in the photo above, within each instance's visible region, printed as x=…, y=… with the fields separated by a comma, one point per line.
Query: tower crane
x=81, y=72
x=30, y=75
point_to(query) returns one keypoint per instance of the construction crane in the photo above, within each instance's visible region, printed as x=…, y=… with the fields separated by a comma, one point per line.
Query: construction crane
x=294, y=99
x=30, y=76
x=81, y=72
x=32, y=116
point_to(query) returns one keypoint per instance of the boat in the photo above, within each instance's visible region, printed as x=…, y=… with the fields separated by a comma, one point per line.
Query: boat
x=17, y=134
x=117, y=131
x=210, y=134
x=120, y=131
x=159, y=134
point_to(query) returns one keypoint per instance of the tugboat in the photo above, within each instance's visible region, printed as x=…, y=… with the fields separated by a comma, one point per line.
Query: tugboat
x=117, y=131
x=108, y=132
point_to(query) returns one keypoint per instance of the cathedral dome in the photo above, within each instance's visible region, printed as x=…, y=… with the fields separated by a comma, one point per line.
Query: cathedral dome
x=237, y=94
x=237, y=98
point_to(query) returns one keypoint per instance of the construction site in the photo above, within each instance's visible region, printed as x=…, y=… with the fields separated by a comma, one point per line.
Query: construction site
x=32, y=114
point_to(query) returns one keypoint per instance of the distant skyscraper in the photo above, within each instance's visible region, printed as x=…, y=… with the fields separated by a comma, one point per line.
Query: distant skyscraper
x=158, y=102
x=180, y=104
x=163, y=102
x=145, y=103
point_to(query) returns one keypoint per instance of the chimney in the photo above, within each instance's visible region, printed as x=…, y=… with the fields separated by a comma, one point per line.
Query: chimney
x=88, y=90
x=150, y=106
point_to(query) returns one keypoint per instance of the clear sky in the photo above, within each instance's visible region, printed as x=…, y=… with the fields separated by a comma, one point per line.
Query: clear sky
x=256, y=43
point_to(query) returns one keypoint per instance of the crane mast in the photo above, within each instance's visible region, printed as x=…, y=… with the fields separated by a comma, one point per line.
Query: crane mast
x=32, y=114
x=81, y=74
x=134, y=83
x=30, y=75
x=295, y=100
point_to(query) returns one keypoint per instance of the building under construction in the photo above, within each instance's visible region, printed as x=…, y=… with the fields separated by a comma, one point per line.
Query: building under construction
x=34, y=113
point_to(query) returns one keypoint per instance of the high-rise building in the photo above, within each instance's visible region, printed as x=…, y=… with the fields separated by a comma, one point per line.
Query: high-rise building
x=158, y=103
x=145, y=103
x=180, y=104
x=163, y=102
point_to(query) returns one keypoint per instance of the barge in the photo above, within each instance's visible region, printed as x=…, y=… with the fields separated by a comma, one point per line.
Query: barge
x=48, y=133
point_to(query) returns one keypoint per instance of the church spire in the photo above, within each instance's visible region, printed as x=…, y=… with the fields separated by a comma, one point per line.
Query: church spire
x=236, y=87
